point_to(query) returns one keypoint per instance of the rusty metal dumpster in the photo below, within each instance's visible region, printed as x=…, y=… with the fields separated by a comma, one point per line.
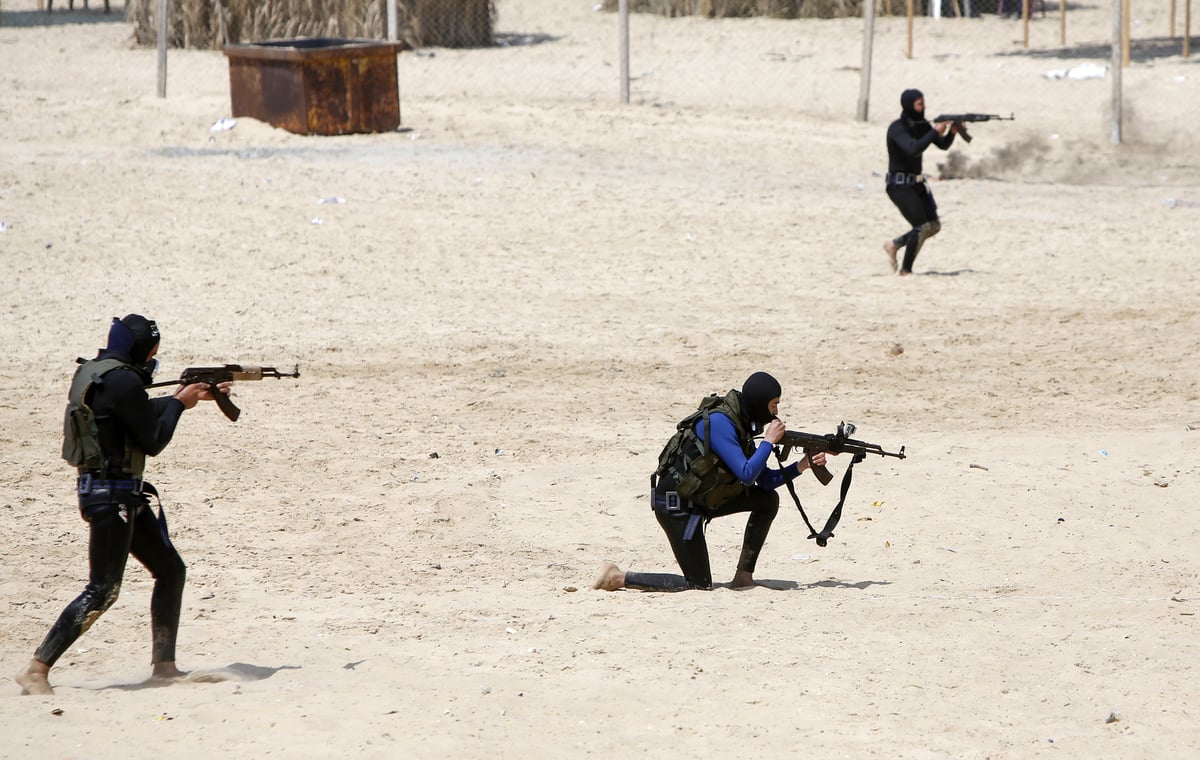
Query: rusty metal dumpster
x=317, y=86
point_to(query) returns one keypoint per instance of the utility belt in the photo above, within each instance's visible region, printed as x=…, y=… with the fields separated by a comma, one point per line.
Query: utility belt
x=97, y=483
x=97, y=489
x=671, y=504
x=669, y=501
x=101, y=493
x=902, y=178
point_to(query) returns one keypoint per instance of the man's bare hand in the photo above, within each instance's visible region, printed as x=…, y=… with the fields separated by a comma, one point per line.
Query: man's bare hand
x=774, y=431
x=225, y=387
x=193, y=393
x=815, y=459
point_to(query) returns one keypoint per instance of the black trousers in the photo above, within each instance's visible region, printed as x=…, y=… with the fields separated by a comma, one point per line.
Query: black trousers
x=692, y=554
x=115, y=532
x=918, y=207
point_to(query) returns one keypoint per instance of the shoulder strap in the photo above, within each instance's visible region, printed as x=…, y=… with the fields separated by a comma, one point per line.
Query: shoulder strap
x=836, y=515
x=91, y=373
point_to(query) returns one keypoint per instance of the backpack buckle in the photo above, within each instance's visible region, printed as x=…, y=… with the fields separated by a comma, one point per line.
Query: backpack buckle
x=673, y=502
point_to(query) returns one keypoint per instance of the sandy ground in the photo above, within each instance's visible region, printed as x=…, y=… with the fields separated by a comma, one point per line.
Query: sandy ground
x=497, y=330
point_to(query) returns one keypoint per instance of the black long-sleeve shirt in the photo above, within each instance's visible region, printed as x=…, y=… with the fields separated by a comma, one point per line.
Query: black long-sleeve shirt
x=122, y=407
x=907, y=139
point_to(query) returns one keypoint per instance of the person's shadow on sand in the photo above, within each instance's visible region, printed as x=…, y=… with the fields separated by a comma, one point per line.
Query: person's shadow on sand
x=948, y=273
x=782, y=585
x=939, y=273
x=238, y=671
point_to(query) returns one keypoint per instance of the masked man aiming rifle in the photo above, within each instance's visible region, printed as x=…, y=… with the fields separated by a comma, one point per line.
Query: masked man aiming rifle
x=714, y=467
x=110, y=427
x=907, y=138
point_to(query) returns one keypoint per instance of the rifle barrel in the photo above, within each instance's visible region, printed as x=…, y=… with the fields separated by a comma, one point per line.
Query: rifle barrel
x=833, y=444
x=237, y=371
x=272, y=372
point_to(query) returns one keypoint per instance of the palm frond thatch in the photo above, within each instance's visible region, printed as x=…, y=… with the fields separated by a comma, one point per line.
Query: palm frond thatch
x=744, y=8
x=212, y=24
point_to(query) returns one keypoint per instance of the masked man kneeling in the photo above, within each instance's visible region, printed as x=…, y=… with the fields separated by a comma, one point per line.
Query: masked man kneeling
x=715, y=467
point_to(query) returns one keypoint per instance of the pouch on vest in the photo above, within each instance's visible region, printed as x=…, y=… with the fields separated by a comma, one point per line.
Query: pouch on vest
x=669, y=454
x=706, y=488
x=81, y=438
x=699, y=475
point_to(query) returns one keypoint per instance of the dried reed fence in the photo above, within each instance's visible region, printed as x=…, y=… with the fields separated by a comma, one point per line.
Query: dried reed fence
x=211, y=24
x=744, y=8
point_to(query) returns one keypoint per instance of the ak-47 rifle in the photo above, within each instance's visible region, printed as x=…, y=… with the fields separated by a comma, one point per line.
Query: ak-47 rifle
x=959, y=119
x=211, y=376
x=833, y=443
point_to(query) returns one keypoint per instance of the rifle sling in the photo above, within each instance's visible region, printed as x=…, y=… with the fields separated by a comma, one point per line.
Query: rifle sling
x=836, y=515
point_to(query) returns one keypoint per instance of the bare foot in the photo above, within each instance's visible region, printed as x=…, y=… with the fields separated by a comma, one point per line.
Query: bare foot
x=743, y=579
x=905, y=272
x=610, y=578
x=890, y=249
x=35, y=680
x=166, y=671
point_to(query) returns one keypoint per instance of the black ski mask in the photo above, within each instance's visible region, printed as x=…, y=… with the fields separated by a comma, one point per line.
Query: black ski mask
x=907, y=99
x=134, y=336
x=757, y=393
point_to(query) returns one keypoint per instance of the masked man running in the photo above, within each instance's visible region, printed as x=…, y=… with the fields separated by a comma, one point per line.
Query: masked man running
x=907, y=138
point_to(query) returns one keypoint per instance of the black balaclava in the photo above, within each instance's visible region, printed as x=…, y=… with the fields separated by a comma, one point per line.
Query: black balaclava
x=757, y=392
x=907, y=99
x=134, y=336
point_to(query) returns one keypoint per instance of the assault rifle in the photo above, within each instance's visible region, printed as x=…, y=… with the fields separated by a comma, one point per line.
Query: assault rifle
x=959, y=119
x=211, y=376
x=833, y=443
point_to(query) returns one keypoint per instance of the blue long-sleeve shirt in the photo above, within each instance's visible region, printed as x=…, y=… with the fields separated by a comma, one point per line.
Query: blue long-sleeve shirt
x=728, y=447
